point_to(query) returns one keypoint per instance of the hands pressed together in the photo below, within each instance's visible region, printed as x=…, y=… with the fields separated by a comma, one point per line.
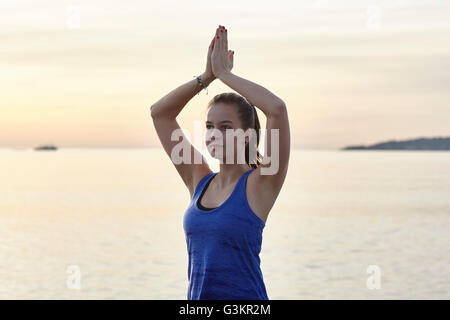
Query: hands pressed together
x=220, y=59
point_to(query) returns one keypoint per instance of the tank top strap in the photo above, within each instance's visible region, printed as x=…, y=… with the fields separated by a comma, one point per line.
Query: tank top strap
x=241, y=186
x=201, y=184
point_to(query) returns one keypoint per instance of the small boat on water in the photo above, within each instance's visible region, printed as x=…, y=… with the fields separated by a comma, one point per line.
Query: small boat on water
x=47, y=147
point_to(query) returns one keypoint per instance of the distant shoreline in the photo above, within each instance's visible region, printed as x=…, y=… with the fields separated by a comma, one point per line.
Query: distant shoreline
x=47, y=147
x=430, y=144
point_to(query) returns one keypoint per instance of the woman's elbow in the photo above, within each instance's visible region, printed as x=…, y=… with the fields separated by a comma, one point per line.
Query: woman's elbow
x=279, y=109
x=152, y=111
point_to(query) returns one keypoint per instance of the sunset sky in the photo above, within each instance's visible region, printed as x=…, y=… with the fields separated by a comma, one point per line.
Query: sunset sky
x=84, y=73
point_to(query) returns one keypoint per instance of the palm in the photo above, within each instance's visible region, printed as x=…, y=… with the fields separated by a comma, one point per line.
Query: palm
x=221, y=58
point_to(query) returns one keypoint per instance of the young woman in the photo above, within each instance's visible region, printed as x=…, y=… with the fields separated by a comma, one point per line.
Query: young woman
x=228, y=211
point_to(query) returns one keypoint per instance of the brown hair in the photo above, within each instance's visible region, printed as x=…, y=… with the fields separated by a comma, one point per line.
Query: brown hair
x=249, y=119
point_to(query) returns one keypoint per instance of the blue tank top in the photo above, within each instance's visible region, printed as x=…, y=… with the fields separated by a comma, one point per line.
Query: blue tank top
x=223, y=247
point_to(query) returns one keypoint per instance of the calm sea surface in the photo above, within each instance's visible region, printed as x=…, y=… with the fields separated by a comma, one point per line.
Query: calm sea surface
x=117, y=215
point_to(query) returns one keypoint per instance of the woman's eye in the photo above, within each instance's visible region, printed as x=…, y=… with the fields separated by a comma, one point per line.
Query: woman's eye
x=208, y=126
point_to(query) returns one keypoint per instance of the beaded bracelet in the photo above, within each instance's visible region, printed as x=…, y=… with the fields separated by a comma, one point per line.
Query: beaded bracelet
x=199, y=80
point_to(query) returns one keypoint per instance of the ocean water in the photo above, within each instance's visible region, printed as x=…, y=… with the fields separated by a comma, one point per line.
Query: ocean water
x=116, y=214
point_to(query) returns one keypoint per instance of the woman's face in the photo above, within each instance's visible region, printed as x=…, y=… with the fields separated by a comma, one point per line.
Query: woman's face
x=222, y=117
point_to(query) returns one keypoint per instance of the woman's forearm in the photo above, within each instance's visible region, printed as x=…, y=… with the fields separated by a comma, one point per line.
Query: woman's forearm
x=172, y=103
x=257, y=95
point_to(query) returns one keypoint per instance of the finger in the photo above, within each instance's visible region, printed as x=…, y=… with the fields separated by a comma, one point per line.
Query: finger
x=217, y=32
x=219, y=40
x=216, y=38
x=225, y=33
x=222, y=35
x=222, y=39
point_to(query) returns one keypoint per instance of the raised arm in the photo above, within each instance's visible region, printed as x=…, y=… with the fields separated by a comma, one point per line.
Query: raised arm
x=164, y=113
x=273, y=107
